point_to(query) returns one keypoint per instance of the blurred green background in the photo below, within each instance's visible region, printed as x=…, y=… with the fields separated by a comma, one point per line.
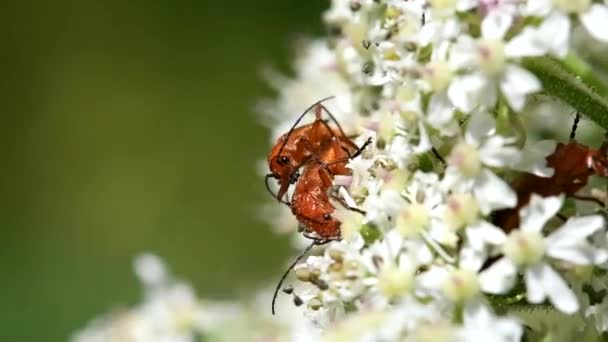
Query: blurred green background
x=129, y=127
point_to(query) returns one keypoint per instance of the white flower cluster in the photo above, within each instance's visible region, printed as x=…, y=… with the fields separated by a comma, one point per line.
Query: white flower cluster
x=170, y=311
x=441, y=89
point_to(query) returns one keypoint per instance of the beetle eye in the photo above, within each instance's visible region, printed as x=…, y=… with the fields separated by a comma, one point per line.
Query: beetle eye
x=327, y=217
x=283, y=160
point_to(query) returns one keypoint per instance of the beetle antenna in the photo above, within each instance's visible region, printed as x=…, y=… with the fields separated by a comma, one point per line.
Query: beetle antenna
x=300, y=119
x=293, y=264
x=333, y=118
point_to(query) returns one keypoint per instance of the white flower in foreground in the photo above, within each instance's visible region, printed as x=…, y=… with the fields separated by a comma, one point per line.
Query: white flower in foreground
x=470, y=161
x=480, y=238
x=550, y=37
x=449, y=284
x=170, y=312
x=529, y=251
x=592, y=15
x=489, y=60
x=419, y=218
x=480, y=325
x=390, y=273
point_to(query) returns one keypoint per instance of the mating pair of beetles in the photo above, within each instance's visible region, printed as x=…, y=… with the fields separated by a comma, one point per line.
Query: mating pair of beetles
x=321, y=151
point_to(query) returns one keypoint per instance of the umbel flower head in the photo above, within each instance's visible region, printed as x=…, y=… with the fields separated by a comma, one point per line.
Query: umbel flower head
x=455, y=96
x=450, y=93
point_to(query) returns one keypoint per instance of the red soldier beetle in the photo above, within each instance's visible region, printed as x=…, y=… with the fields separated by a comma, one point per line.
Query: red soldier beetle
x=573, y=164
x=295, y=147
x=310, y=202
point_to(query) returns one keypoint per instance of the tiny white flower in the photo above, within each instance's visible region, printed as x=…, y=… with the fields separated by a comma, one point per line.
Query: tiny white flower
x=469, y=162
x=489, y=60
x=480, y=325
x=551, y=37
x=420, y=217
x=151, y=270
x=527, y=249
x=595, y=20
x=593, y=16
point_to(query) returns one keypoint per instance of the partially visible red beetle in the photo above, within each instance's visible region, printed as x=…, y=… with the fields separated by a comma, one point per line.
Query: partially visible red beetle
x=310, y=202
x=294, y=148
x=572, y=163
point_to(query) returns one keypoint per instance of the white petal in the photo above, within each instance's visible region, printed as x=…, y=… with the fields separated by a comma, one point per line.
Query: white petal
x=535, y=292
x=555, y=32
x=552, y=36
x=498, y=278
x=480, y=126
x=472, y=258
x=575, y=230
x=433, y=278
x=423, y=254
x=424, y=142
x=463, y=53
x=401, y=150
x=558, y=291
x=440, y=110
x=495, y=25
x=533, y=159
x=493, y=193
x=427, y=33
x=495, y=152
x=539, y=211
x=482, y=232
x=516, y=84
x=477, y=314
x=525, y=44
x=393, y=240
x=595, y=20
x=581, y=255
x=471, y=91
x=481, y=325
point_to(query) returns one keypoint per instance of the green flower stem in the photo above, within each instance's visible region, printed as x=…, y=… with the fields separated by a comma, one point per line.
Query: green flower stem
x=559, y=81
x=574, y=64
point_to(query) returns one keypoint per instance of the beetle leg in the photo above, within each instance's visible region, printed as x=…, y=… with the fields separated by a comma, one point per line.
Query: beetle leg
x=333, y=193
x=326, y=177
x=360, y=149
x=577, y=118
x=589, y=199
x=356, y=154
x=281, y=191
x=437, y=155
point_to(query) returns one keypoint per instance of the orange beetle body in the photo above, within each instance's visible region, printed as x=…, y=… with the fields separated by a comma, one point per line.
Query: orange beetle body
x=310, y=201
x=294, y=148
x=322, y=151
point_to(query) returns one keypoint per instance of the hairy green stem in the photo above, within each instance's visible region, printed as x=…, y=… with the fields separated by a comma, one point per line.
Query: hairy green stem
x=561, y=82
